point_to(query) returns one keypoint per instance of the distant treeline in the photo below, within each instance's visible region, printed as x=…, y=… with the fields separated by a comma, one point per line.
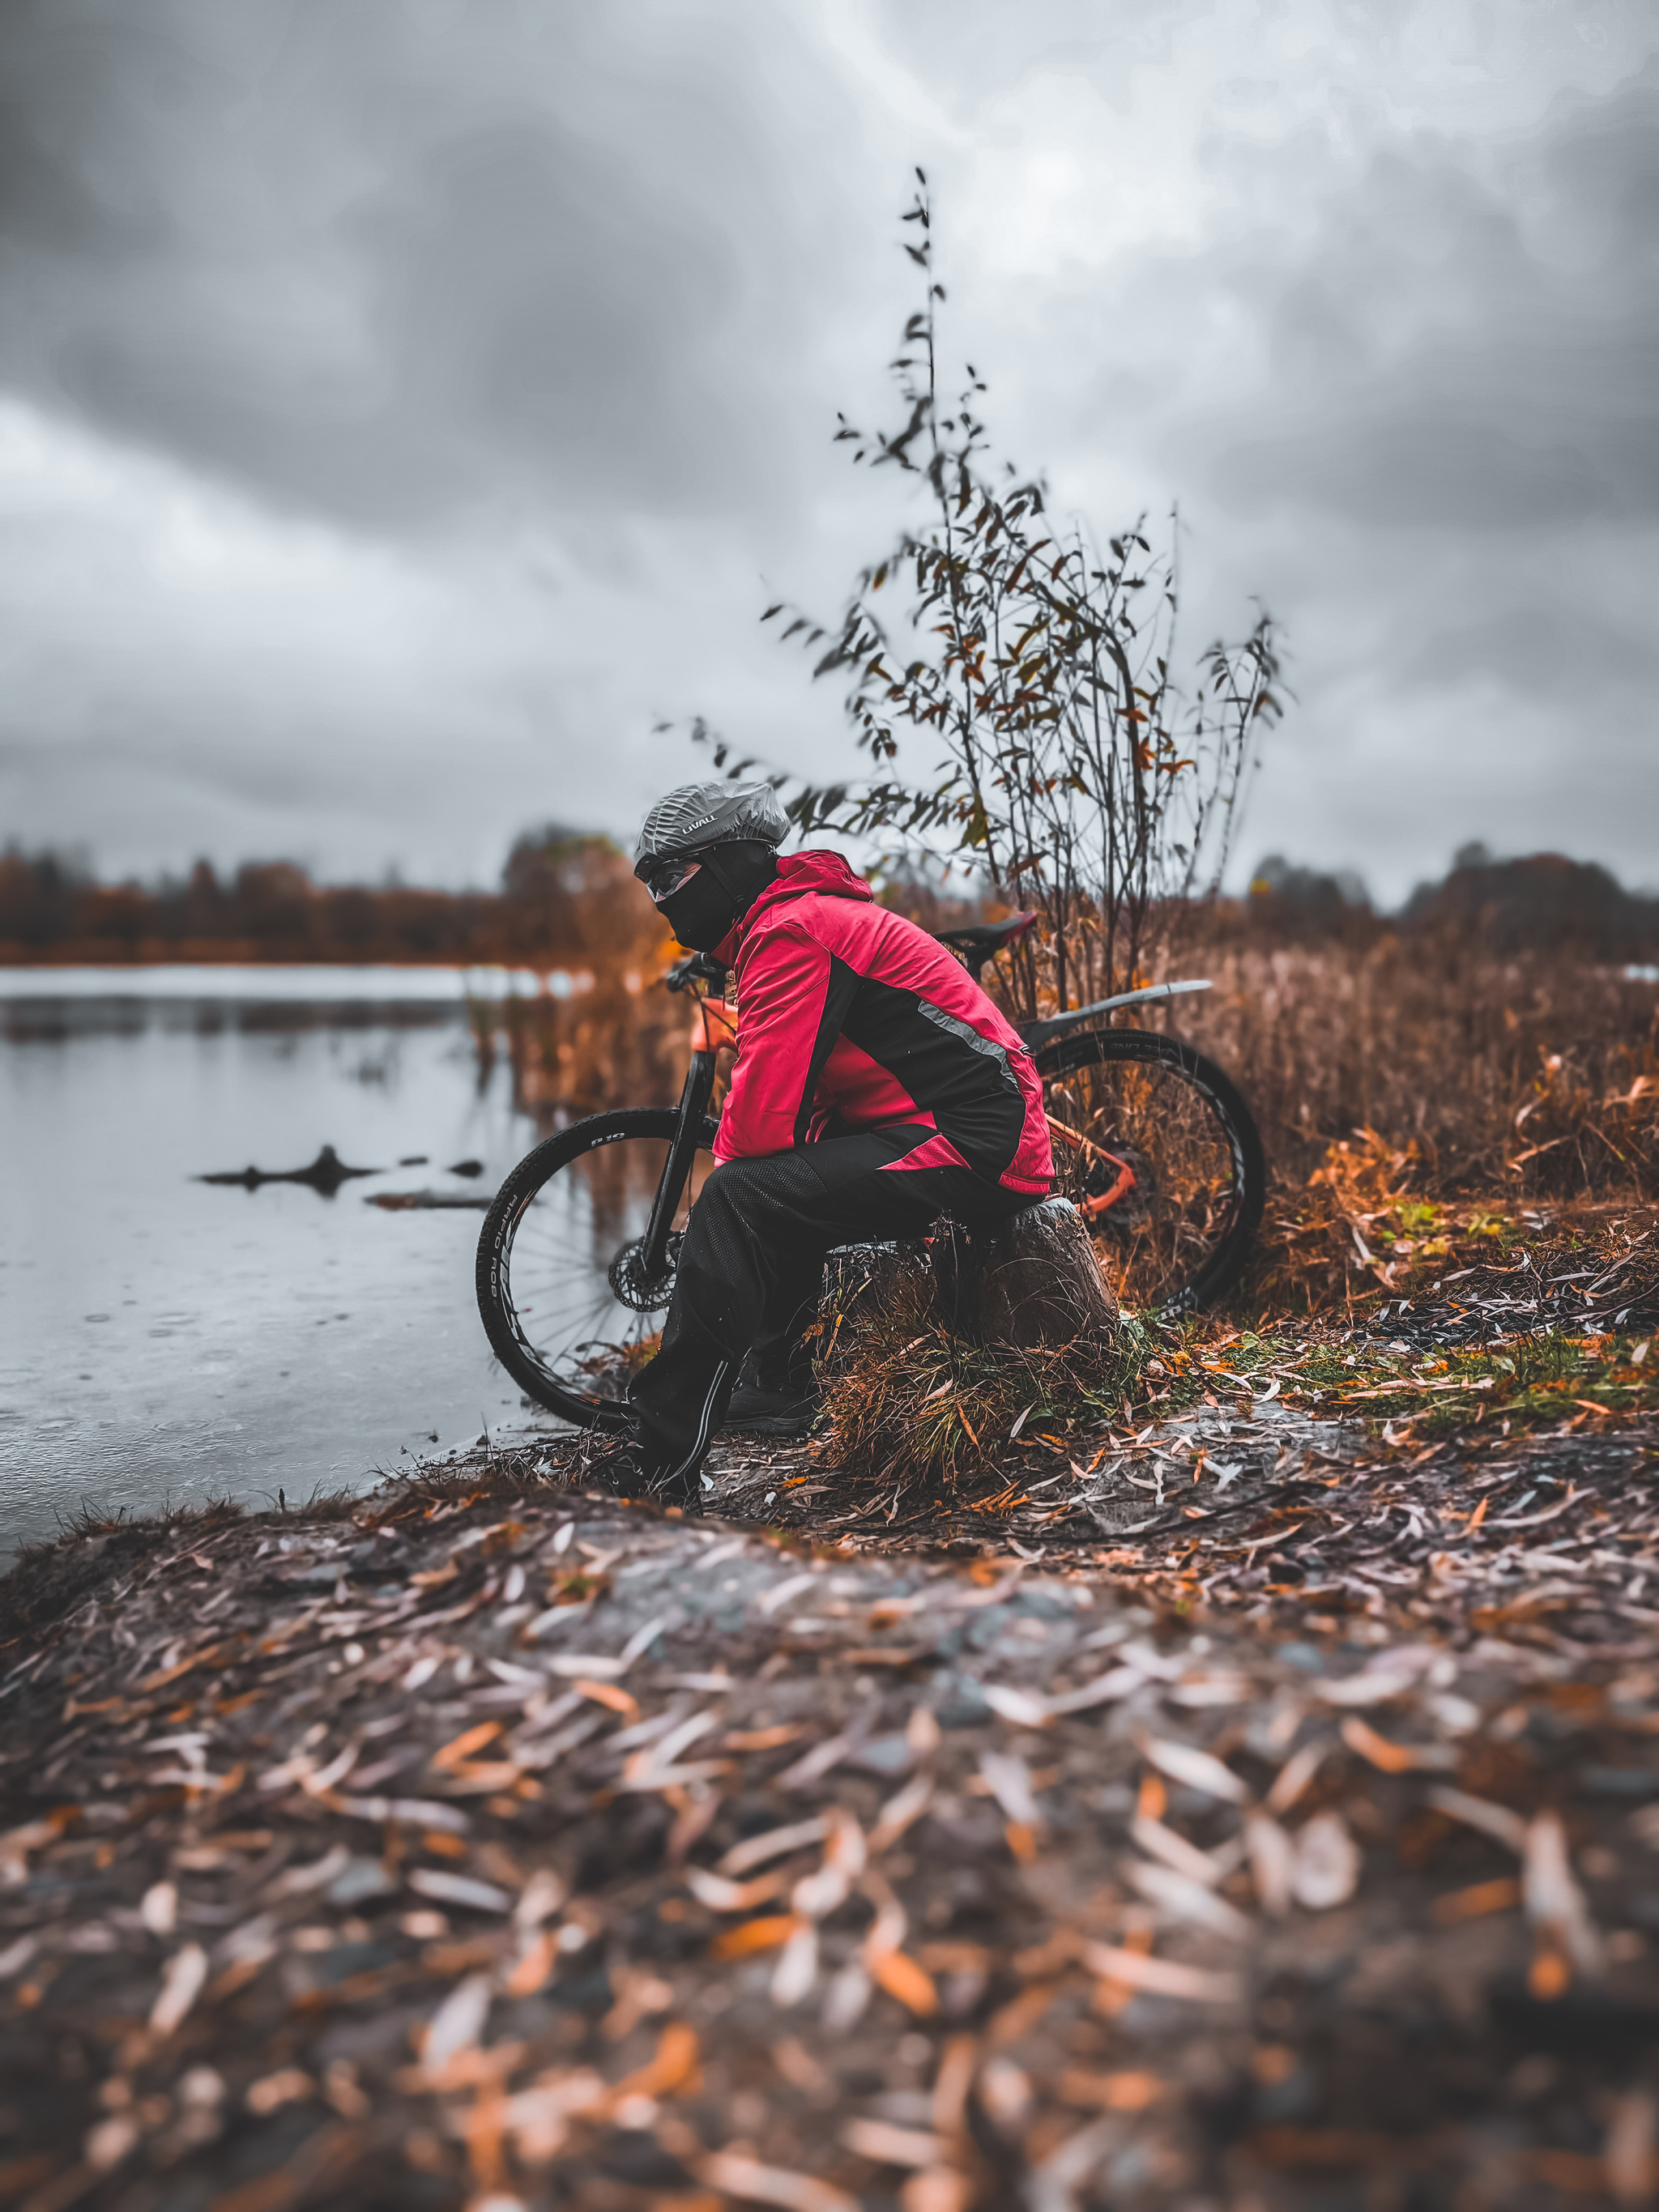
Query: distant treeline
x=1544, y=903
x=569, y=900
x=566, y=899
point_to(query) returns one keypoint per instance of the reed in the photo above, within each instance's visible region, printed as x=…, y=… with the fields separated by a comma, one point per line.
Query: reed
x=1520, y=1079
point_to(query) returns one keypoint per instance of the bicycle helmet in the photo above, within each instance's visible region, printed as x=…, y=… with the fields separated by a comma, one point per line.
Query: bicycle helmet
x=698, y=815
x=705, y=854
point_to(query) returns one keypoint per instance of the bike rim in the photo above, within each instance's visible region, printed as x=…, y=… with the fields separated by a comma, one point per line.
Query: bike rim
x=581, y=1319
x=1159, y=1174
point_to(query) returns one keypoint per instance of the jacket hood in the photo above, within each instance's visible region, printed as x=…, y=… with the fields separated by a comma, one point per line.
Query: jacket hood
x=798, y=873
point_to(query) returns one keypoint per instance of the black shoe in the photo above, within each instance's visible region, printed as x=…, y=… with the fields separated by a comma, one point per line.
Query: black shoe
x=760, y=1413
x=627, y=1467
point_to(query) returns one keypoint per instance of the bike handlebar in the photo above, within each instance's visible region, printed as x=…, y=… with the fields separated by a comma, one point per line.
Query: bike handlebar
x=696, y=968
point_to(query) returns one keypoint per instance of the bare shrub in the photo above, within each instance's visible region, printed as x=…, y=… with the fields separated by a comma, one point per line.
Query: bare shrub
x=1039, y=669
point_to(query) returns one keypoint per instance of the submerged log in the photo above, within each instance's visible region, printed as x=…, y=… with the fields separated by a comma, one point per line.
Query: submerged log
x=1034, y=1283
x=325, y=1176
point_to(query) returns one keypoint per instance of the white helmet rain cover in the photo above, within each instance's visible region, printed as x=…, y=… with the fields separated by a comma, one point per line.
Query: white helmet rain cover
x=702, y=814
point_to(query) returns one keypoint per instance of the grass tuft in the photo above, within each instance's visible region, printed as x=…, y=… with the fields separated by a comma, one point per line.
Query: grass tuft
x=905, y=1400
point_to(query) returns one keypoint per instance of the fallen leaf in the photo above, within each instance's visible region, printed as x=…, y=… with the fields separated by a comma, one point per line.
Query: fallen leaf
x=1324, y=1871
x=1498, y=1821
x=763, y=1934
x=1391, y=1758
x=457, y=2023
x=1111, y=2093
x=1164, y=1978
x=1010, y=1782
x=1628, y=2152
x=1019, y=1706
x=1196, y=1768
x=902, y=1977
x=540, y=1898
x=459, y=1889
x=884, y=2144
x=1176, y=1852
x=721, y=1895
x=608, y=1694
x=755, y=2183
x=1552, y=1895
x=535, y=1968
x=798, y=1966
x=1478, y=1900
x=1293, y=1777
x=289, y=2085
x=1187, y=1899
x=181, y=1984
x=900, y=1810
x=774, y=1843
x=1105, y=1689
x=1364, y=1688
x=158, y=1907
x=1273, y=1863
x=674, y=2067
x=463, y=1747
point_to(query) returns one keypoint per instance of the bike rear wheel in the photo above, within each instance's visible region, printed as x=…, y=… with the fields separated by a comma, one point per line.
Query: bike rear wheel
x=1156, y=1148
x=566, y=1312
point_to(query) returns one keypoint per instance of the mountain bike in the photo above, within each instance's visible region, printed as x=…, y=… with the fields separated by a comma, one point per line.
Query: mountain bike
x=577, y=1256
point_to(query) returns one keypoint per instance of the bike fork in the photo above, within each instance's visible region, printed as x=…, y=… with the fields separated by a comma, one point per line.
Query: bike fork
x=694, y=1104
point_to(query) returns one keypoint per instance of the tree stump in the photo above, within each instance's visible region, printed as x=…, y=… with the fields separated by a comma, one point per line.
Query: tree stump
x=1033, y=1283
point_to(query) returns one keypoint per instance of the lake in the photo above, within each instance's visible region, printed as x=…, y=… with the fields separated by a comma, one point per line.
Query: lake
x=167, y=1341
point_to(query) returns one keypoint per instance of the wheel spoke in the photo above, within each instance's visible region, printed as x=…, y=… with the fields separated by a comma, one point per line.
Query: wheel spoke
x=1153, y=1162
x=564, y=1301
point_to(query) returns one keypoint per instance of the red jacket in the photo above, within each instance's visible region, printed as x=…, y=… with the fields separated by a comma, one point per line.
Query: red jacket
x=850, y=1016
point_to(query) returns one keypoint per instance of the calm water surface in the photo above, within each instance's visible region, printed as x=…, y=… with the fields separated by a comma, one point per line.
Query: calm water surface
x=164, y=1340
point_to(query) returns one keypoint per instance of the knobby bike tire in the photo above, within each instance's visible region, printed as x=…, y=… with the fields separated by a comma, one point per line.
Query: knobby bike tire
x=1224, y=1265
x=493, y=1276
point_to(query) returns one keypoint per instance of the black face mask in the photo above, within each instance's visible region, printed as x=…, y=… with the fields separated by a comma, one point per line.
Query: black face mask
x=727, y=884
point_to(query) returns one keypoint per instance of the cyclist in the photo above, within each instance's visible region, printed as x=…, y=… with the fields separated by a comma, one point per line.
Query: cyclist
x=876, y=1086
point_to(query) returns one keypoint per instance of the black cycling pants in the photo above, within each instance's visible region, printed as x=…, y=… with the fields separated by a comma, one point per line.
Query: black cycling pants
x=752, y=1268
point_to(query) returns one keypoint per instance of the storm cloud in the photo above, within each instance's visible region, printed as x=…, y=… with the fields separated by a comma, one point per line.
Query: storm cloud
x=402, y=407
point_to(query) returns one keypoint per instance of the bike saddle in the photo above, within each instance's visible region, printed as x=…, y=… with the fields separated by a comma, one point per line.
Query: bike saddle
x=980, y=944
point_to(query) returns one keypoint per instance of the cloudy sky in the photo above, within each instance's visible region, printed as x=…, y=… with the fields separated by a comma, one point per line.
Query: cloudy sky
x=405, y=404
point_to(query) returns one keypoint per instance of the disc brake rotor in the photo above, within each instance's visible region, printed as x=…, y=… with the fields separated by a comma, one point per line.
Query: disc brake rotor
x=630, y=1287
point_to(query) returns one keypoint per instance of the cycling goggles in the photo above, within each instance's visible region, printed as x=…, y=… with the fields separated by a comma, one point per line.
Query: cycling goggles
x=664, y=877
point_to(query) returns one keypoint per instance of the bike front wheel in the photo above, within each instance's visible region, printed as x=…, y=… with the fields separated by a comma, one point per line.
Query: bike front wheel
x=560, y=1289
x=1157, y=1150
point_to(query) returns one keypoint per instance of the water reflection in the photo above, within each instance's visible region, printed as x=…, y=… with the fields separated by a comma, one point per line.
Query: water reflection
x=162, y=1339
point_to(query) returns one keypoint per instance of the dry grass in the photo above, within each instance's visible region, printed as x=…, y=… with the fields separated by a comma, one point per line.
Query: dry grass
x=1526, y=1078
x=620, y=1040
x=906, y=1400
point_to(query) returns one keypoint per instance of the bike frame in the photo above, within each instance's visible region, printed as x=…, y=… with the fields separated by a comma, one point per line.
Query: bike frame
x=694, y=1104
